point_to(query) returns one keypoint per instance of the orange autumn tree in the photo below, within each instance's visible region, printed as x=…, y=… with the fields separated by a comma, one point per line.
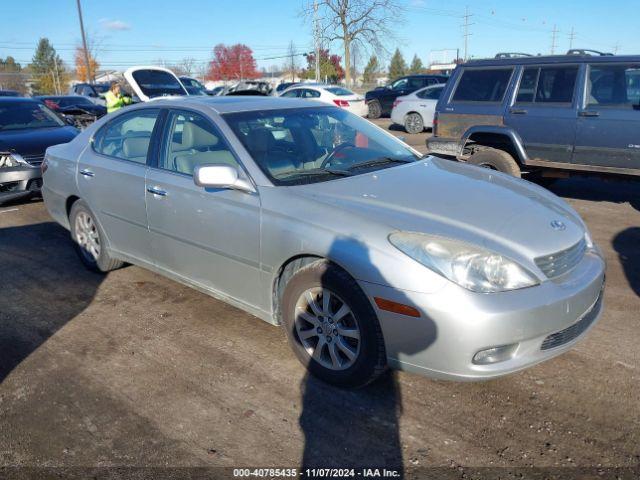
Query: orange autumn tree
x=81, y=65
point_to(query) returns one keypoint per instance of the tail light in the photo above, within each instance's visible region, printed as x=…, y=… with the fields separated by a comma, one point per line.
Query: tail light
x=434, y=130
x=44, y=165
x=341, y=103
x=396, y=103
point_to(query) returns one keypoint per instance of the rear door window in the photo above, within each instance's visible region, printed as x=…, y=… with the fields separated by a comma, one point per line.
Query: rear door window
x=547, y=85
x=482, y=85
x=615, y=86
x=127, y=136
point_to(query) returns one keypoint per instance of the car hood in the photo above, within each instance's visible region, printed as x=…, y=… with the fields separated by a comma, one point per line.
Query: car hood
x=464, y=202
x=35, y=141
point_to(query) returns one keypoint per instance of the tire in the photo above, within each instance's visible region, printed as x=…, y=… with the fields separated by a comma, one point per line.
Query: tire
x=89, y=240
x=335, y=331
x=496, y=160
x=413, y=123
x=375, y=109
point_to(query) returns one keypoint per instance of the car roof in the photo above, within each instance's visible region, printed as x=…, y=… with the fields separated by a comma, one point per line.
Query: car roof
x=59, y=96
x=240, y=103
x=18, y=100
x=551, y=59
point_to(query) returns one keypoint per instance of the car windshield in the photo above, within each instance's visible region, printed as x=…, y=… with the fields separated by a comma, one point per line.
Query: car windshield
x=157, y=83
x=339, y=91
x=308, y=145
x=27, y=115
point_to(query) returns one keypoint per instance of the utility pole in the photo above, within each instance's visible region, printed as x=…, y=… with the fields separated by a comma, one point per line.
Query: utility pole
x=466, y=26
x=316, y=38
x=55, y=63
x=616, y=47
x=572, y=36
x=90, y=78
x=554, y=34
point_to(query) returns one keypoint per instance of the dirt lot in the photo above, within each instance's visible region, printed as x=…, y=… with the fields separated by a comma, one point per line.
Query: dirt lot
x=131, y=369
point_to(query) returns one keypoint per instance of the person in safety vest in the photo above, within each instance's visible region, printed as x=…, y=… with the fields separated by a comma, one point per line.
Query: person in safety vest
x=114, y=98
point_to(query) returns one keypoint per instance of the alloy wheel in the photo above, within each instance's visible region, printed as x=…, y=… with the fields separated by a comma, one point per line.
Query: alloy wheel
x=327, y=328
x=87, y=236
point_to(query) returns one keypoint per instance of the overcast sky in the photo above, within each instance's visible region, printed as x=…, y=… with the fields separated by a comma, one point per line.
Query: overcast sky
x=133, y=32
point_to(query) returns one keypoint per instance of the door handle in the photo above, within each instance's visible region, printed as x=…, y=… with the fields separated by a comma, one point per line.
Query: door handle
x=87, y=173
x=588, y=113
x=517, y=111
x=157, y=191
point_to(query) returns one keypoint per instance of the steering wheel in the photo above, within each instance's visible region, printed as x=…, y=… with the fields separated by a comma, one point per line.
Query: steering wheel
x=332, y=155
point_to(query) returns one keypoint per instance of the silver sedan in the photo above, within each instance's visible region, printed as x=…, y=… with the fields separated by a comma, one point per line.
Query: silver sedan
x=309, y=217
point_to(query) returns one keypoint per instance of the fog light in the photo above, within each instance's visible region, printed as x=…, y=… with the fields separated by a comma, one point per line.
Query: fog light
x=495, y=354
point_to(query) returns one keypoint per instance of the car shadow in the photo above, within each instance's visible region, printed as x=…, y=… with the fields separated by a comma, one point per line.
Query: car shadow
x=626, y=244
x=360, y=427
x=44, y=287
x=596, y=189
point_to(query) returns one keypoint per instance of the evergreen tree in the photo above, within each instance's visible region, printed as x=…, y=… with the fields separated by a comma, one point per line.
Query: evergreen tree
x=397, y=67
x=12, y=76
x=371, y=70
x=416, y=65
x=48, y=70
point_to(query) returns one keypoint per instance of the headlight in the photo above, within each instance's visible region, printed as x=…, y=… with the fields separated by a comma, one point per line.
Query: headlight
x=8, y=160
x=471, y=267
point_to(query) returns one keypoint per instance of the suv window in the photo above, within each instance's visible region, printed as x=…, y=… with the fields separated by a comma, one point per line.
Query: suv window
x=194, y=141
x=400, y=84
x=614, y=85
x=127, y=136
x=415, y=83
x=477, y=85
x=548, y=84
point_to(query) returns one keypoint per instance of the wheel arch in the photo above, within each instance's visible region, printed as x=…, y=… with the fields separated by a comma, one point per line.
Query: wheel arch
x=498, y=137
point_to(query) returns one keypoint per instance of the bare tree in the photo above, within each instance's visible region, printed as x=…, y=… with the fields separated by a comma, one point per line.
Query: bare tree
x=363, y=22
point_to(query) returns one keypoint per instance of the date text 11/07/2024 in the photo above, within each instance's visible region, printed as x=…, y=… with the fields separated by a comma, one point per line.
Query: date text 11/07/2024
x=316, y=472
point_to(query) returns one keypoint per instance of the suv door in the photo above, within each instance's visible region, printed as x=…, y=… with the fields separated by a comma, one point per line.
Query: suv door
x=111, y=179
x=206, y=236
x=544, y=111
x=608, y=124
x=387, y=97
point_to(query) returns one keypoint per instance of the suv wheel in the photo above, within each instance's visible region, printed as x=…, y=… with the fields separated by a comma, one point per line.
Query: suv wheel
x=375, y=110
x=496, y=160
x=89, y=240
x=413, y=123
x=332, y=326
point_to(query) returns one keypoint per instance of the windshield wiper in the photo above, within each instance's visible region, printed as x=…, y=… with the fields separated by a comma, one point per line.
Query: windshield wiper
x=317, y=171
x=380, y=161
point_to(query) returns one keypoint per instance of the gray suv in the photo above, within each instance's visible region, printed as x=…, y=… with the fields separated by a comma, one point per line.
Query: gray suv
x=546, y=114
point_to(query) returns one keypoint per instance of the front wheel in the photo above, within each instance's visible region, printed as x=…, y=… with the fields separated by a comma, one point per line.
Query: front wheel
x=495, y=159
x=332, y=327
x=413, y=123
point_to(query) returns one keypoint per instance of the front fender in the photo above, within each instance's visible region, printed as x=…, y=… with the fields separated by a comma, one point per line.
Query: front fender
x=503, y=131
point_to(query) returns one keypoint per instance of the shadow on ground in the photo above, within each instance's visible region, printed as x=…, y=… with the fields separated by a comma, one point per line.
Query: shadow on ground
x=44, y=287
x=595, y=189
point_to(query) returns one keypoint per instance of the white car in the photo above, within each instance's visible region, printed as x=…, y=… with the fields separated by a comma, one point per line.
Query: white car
x=415, y=111
x=331, y=94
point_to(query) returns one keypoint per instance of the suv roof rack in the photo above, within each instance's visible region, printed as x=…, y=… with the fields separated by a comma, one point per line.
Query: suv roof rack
x=582, y=51
x=512, y=55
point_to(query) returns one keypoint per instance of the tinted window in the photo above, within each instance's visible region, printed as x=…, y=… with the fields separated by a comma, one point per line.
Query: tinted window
x=556, y=84
x=291, y=93
x=415, y=83
x=482, y=85
x=27, y=115
x=157, y=83
x=400, y=84
x=528, y=83
x=431, y=93
x=128, y=136
x=306, y=93
x=194, y=141
x=614, y=85
x=296, y=146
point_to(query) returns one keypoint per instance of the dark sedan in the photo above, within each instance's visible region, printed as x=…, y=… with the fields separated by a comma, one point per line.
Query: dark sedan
x=380, y=101
x=78, y=110
x=27, y=129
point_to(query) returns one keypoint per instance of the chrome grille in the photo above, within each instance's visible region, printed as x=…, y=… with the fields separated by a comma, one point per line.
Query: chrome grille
x=575, y=330
x=563, y=261
x=34, y=160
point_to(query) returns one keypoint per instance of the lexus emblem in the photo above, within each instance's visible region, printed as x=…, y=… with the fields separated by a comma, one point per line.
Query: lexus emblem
x=558, y=225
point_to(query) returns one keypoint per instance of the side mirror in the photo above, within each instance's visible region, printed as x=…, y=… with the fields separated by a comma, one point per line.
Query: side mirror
x=220, y=176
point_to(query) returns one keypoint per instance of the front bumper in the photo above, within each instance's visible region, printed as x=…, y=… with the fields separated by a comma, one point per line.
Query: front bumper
x=18, y=182
x=455, y=323
x=444, y=146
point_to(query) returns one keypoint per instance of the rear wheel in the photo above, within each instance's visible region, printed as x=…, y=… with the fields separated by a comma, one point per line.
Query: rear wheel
x=332, y=327
x=413, y=123
x=495, y=159
x=375, y=109
x=89, y=240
